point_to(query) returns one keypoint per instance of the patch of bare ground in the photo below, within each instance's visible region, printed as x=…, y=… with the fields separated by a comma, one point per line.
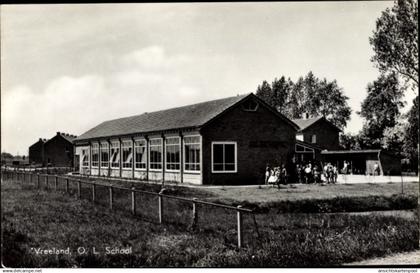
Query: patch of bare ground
x=405, y=258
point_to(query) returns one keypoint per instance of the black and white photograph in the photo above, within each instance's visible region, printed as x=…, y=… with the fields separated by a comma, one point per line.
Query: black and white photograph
x=210, y=135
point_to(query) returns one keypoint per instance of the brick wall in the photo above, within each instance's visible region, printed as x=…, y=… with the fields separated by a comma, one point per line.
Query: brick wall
x=326, y=135
x=262, y=138
x=59, y=152
x=36, y=153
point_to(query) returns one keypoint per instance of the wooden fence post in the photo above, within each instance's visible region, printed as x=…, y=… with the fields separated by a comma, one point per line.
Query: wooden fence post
x=67, y=185
x=46, y=181
x=239, y=223
x=111, y=197
x=160, y=207
x=194, y=214
x=56, y=182
x=79, y=189
x=30, y=178
x=133, y=201
x=37, y=180
x=93, y=192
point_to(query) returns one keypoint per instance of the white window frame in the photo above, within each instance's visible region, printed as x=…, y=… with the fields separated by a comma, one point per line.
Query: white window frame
x=130, y=146
x=145, y=151
x=95, y=147
x=119, y=154
x=236, y=156
x=86, y=151
x=183, y=154
x=166, y=151
x=161, y=158
x=102, y=147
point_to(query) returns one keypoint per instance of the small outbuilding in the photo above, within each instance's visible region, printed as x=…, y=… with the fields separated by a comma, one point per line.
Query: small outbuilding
x=363, y=161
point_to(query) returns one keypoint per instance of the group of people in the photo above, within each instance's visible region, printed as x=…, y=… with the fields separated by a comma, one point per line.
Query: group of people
x=314, y=174
x=276, y=175
x=304, y=173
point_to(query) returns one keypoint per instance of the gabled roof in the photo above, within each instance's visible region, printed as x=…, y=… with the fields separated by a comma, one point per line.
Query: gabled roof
x=41, y=140
x=69, y=137
x=190, y=116
x=308, y=122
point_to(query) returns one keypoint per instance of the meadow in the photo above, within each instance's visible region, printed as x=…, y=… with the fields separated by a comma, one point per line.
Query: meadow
x=46, y=219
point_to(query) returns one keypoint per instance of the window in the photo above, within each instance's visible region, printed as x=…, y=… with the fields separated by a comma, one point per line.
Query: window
x=115, y=155
x=313, y=139
x=155, y=152
x=250, y=106
x=224, y=157
x=127, y=154
x=192, y=153
x=140, y=157
x=299, y=137
x=95, y=154
x=85, y=158
x=104, y=155
x=173, y=159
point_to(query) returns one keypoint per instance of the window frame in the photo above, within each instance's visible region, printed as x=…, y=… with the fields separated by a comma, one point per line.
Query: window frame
x=119, y=154
x=86, y=152
x=104, y=147
x=247, y=103
x=235, y=156
x=145, y=152
x=313, y=139
x=161, y=151
x=130, y=146
x=95, y=148
x=184, y=157
x=166, y=153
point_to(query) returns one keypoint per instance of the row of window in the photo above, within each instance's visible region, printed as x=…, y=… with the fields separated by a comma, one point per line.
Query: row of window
x=224, y=155
x=104, y=155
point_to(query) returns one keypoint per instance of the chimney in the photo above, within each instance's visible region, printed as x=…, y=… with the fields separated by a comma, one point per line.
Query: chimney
x=58, y=133
x=40, y=139
x=305, y=115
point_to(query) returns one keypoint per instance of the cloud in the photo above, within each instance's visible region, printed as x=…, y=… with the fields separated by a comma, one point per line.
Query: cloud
x=144, y=80
x=153, y=57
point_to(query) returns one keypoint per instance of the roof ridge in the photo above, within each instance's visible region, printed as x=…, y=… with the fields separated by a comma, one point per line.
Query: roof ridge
x=178, y=107
x=192, y=115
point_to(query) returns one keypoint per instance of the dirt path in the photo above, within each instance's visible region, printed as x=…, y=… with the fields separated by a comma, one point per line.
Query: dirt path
x=406, y=258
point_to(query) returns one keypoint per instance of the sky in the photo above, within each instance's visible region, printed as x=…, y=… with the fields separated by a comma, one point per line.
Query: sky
x=67, y=68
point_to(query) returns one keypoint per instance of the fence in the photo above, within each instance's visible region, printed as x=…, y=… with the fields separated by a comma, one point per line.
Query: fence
x=46, y=170
x=151, y=206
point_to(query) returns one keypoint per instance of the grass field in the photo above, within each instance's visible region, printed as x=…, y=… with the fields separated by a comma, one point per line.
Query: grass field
x=298, y=197
x=41, y=219
x=311, y=191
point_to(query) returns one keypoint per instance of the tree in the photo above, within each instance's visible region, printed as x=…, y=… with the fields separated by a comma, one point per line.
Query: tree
x=381, y=108
x=331, y=103
x=265, y=93
x=5, y=155
x=308, y=95
x=349, y=142
x=280, y=91
x=296, y=102
x=393, y=138
x=411, y=140
x=395, y=41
